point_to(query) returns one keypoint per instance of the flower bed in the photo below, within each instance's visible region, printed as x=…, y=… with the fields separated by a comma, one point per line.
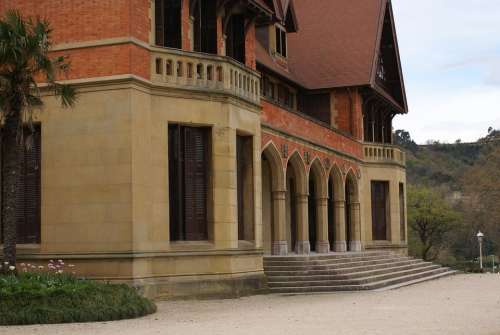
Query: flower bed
x=38, y=296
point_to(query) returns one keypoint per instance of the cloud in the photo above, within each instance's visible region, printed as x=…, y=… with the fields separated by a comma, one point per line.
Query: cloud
x=451, y=62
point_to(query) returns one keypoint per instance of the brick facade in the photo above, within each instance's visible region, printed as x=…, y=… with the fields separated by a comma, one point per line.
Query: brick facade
x=305, y=128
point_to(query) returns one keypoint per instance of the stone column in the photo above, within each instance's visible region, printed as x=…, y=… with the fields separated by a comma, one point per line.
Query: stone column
x=355, y=243
x=303, y=246
x=340, y=238
x=322, y=243
x=279, y=243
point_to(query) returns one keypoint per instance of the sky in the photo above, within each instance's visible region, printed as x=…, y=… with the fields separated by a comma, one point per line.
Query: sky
x=450, y=53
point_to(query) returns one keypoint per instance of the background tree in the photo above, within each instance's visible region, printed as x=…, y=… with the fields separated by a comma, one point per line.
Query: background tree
x=24, y=64
x=403, y=139
x=430, y=219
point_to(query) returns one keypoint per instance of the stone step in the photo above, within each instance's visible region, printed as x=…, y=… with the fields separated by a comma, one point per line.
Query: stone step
x=326, y=261
x=332, y=270
x=425, y=275
x=327, y=256
x=293, y=276
x=338, y=267
x=416, y=281
x=358, y=281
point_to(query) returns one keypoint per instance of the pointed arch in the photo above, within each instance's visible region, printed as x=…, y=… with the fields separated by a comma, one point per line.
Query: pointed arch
x=352, y=185
x=318, y=173
x=335, y=177
x=271, y=153
x=299, y=169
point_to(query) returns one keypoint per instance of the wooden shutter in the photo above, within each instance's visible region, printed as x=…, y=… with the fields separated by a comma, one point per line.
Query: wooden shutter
x=379, y=210
x=175, y=173
x=240, y=167
x=29, y=214
x=196, y=167
x=160, y=22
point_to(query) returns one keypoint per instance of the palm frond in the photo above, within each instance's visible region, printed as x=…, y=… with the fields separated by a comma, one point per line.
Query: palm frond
x=66, y=93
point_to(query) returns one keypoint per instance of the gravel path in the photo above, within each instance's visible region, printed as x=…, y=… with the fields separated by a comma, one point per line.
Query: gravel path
x=462, y=304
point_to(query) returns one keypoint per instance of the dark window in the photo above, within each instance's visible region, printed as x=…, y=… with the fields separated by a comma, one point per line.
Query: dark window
x=402, y=207
x=380, y=197
x=29, y=206
x=235, y=42
x=205, y=27
x=168, y=23
x=244, y=172
x=189, y=161
x=281, y=42
x=284, y=96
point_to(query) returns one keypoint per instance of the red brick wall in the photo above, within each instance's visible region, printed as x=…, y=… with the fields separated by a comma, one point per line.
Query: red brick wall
x=348, y=114
x=186, y=24
x=85, y=20
x=296, y=125
x=221, y=48
x=250, y=47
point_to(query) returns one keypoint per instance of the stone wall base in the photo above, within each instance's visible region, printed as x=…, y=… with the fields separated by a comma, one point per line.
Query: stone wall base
x=214, y=287
x=398, y=249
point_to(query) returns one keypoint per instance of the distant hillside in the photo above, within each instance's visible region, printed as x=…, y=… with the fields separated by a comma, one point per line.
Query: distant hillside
x=443, y=165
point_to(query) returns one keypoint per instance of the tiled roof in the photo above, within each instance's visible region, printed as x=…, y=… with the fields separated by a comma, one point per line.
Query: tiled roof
x=336, y=43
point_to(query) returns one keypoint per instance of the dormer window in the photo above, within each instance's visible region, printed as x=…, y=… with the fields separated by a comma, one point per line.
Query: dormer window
x=281, y=42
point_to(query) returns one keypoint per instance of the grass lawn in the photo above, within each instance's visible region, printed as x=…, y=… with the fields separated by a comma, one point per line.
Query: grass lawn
x=40, y=298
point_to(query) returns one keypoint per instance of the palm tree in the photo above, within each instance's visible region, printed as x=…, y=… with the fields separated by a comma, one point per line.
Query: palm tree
x=26, y=70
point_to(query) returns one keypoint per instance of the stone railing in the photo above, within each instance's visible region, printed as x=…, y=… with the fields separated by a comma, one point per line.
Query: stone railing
x=204, y=72
x=384, y=153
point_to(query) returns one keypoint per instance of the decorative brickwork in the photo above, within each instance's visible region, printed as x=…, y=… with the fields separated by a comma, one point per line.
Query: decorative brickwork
x=294, y=124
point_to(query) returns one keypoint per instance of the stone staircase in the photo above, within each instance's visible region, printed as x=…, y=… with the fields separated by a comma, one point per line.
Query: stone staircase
x=347, y=272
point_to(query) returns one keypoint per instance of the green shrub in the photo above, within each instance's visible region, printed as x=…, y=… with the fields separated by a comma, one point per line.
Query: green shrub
x=40, y=298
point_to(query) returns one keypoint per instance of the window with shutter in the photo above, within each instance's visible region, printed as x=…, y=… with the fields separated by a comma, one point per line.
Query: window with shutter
x=244, y=174
x=188, y=177
x=380, y=192
x=29, y=205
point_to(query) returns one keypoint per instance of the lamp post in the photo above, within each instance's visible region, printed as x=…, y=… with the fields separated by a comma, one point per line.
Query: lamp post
x=480, y=240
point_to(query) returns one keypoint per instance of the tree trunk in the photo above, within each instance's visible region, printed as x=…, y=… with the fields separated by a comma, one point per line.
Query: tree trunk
x=12, y=156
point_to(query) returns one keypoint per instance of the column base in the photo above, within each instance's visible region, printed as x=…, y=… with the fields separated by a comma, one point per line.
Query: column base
x=303, y=247
x=322, y=247
x=355, y=246
x=280, y=248
x=340, y=246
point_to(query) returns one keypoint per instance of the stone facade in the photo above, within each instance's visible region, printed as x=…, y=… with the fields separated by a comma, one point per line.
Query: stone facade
x=105, y=167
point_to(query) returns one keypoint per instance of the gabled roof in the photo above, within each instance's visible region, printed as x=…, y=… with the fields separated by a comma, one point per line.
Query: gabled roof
x=338, y=44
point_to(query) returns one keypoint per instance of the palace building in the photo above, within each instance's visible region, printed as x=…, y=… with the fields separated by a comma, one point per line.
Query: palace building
x=209, y=133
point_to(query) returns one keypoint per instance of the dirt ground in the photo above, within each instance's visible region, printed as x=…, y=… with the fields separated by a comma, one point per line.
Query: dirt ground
x=462, y=304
